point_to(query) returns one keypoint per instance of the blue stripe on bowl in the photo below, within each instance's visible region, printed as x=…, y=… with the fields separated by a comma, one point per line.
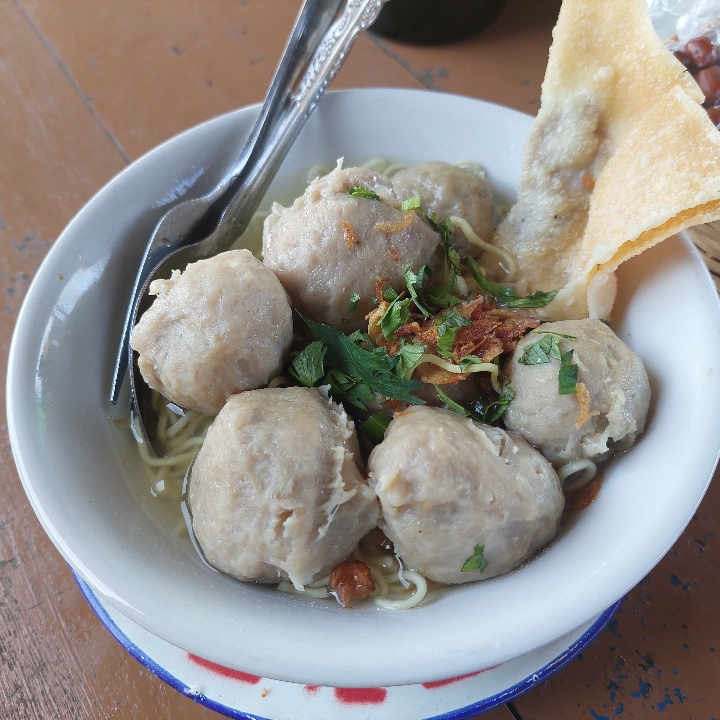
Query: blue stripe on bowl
x=463, y=713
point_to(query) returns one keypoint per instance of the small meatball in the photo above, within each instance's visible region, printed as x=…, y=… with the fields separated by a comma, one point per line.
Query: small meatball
x=449, y=190
x=277, y=490
x=329, y=245
x=606, y=413
x=221, y=327
x=447, y=484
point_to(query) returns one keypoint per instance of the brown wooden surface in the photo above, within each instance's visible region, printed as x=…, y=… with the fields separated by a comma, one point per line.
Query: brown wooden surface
x=86, y=86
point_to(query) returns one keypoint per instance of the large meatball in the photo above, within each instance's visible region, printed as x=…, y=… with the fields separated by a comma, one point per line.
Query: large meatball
x=605, y=415
x=447, y=484
x=277, y=490
x=329, y=245
x=450, y=190
x=221, y=327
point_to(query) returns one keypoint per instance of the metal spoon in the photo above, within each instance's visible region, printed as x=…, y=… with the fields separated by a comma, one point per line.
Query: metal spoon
x=204, y=226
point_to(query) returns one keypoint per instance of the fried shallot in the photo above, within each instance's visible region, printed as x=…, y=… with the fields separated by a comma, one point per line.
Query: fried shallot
x=351, y=580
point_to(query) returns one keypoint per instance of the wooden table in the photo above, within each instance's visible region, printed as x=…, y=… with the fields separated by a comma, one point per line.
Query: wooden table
x=87, y=86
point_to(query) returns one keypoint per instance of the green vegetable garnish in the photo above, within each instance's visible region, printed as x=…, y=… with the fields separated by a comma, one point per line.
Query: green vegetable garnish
x=508, y=296
x=415, y=287
x=396, y=315
x=389, y=295
x=452, y=257
x=468, y=360
x=448, y=324
x=374, y=427
x=476, y=561
x=542, y=351
x=307, y=366
x=452, y=405
x=567, y=377
x=372, y=369
x=348, y=389
x=547, y=349
x=359, y=336
x=412, y=203
x=406, y=357
x=363, y=192
x=354, y=300
x=495, y=410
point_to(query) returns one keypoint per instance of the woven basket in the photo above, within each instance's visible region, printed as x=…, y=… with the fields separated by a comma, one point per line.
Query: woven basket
x=707, y=241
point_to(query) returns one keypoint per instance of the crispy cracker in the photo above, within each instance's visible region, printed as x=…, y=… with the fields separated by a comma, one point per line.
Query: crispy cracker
x=620, y=157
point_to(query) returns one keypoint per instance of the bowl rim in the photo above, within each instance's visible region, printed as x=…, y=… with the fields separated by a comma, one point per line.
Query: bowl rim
x=33, y=303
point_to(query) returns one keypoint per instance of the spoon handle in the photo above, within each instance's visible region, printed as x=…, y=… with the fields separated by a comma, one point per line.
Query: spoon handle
x=193, y=221
x=235, y=208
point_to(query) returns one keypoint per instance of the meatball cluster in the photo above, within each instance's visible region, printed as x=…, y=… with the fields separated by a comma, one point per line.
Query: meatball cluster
x=279, y=490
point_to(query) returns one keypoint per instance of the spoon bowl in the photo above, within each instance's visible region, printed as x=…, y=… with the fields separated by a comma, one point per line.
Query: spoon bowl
x=200, y=227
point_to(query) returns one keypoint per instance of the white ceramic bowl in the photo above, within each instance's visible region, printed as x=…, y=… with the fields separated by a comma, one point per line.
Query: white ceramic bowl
x=79, y=468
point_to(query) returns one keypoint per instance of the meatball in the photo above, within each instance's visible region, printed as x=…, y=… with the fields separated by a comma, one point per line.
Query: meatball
x=221, y=327
x=450, y=190
x=329, y=246
x=447, y=484
x=606, y=413
x=277, y=491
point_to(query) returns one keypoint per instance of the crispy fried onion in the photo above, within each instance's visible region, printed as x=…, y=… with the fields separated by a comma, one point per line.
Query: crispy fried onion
x=390, y=228
x=494, y=331
x=583, y=396
x=351, y=580
x=348, y=235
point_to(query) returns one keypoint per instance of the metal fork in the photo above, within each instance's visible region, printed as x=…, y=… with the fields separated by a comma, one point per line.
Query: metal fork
x=202, y=227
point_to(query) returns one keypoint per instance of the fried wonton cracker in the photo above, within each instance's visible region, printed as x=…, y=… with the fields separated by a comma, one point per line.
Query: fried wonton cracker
x=621, y=156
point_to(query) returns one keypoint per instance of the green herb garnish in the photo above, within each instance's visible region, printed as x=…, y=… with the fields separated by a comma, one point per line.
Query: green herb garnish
x=307, y=366
x=542, y=351
x=456, y=407
x=406, y=357
x=476, y=561
x=390, y=294
x=415, y=287
x=508, y=296
x=359, y=336
x=468, y=360
x=396, y=315
x=495, y=410
x=412, y=203
x=374, y=427
x=348, y=389
x=448, y=324
x=363, y=192
x=567, y=377
x=452, y=257
x=354, y=300
x=441, y=296
x=547, y=349
x=372, y=368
